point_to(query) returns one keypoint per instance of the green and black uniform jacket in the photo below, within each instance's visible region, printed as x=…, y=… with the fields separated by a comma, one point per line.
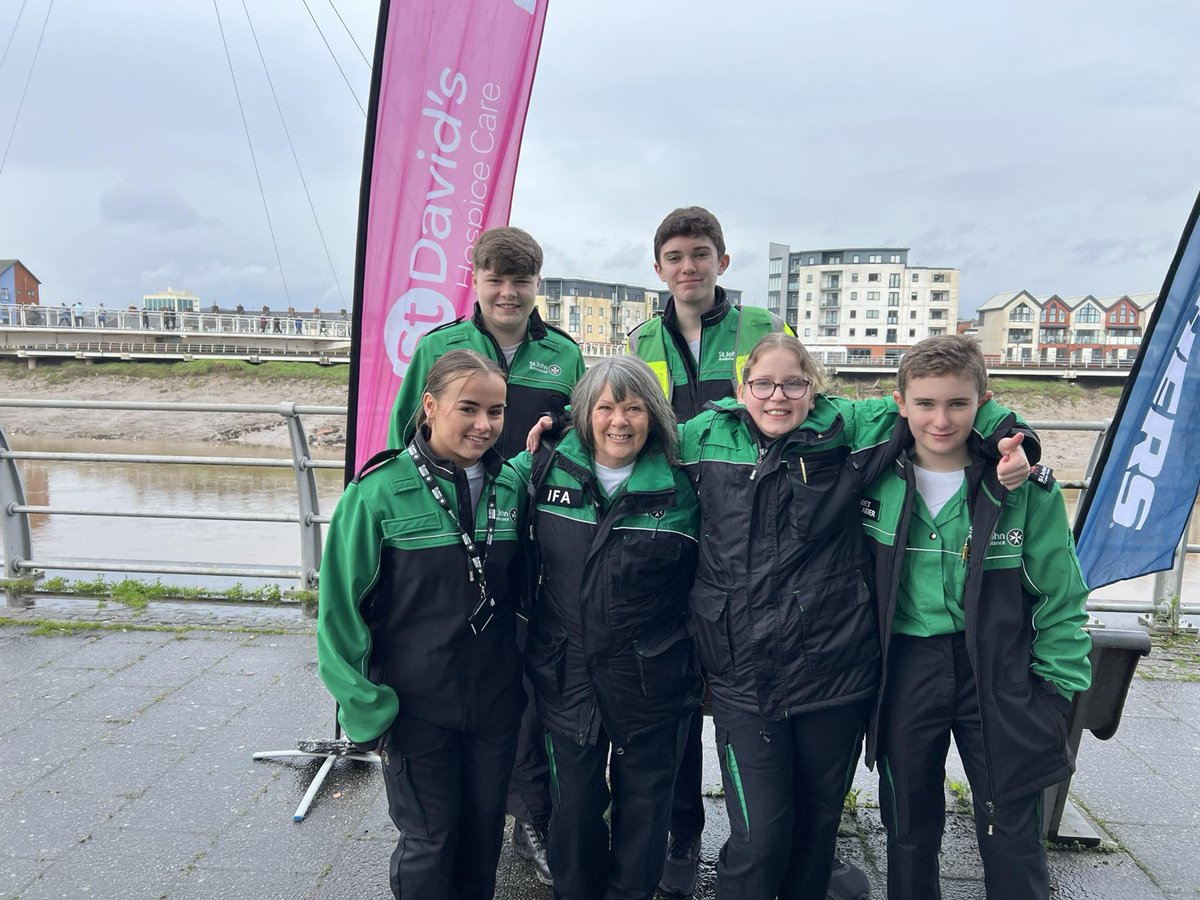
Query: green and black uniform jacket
x=540, y=377
x=727, y=335
x=782, y=610
x=396, y=594
x=782, y=613
x=1005, y=562
x=608, y=642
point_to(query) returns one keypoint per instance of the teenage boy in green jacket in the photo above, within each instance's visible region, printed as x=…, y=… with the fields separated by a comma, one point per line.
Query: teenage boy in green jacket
x=981, y=614
x=541, y=363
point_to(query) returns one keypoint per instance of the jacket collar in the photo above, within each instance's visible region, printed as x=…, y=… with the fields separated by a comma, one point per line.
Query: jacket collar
x=445, y=468
x=536, y=331
x=651, y=472
x=719, y=311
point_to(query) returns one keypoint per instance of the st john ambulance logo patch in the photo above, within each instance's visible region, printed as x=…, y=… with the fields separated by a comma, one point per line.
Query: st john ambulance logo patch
x=1016, y=537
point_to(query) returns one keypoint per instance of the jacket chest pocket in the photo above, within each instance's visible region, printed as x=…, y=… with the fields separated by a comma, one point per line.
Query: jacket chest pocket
x=822, y=498
x=648, y=563
x=414, y=532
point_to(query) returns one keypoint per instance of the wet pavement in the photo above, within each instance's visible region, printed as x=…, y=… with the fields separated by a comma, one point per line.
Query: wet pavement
x=126, y=772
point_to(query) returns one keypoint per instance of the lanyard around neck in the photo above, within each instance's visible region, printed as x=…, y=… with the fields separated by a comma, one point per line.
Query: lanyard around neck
x=481, y=615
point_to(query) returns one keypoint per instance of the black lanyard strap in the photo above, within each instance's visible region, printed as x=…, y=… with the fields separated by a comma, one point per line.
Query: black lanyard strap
x=481, y=615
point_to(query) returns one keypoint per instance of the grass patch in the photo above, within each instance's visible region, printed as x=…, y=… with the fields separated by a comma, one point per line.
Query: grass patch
x=961, y=792
x=274, y=370
x=18, y=585
x=60, y=627
x=138, y=594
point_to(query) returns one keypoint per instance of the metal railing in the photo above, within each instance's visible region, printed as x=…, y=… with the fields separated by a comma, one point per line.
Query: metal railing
x=22, y=560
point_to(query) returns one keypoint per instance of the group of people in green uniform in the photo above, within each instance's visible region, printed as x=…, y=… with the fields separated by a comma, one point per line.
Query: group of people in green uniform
x=525, y=600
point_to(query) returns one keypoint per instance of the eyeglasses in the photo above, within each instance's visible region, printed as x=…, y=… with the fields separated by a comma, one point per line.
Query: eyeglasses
x=764, y=388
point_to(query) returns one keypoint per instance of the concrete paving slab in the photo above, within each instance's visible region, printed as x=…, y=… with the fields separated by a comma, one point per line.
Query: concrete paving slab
x=1167, y=853
x=161, y=729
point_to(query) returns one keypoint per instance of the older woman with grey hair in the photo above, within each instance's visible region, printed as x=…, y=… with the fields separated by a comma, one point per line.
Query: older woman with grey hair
x=614, y=530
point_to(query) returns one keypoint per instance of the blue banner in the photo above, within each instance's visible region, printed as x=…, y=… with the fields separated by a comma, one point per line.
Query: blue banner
x=1145, y=483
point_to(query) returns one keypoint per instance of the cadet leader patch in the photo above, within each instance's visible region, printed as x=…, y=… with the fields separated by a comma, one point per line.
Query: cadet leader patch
x=870, y=508
x=1042, y=476
x=571, y=498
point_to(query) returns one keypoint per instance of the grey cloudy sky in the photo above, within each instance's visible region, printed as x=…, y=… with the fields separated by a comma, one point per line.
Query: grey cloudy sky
x=1044, y=145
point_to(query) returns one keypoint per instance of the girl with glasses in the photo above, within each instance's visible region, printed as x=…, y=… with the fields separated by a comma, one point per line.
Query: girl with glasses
x=782, y=614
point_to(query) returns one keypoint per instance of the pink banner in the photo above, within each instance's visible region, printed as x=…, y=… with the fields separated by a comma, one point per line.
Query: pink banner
x=452, y=88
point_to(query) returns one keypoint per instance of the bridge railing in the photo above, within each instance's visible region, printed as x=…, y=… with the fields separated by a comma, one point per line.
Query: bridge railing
x=21, y=557
x=153, y=320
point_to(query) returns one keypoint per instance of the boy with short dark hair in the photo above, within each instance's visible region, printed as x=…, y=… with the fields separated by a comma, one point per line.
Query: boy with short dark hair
x=541, y=365
x=981, y=613
x=699, y=344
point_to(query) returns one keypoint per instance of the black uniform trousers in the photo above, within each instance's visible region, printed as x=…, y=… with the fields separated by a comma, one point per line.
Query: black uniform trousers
x=529, y=788
x=446, y=793
x=588, y=862
x=687, y=805
x=785, y=785
x=930, y=694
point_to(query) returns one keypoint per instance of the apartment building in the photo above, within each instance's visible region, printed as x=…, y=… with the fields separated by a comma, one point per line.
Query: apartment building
x=594, y=311
x=860, y=302
x=1016, y=326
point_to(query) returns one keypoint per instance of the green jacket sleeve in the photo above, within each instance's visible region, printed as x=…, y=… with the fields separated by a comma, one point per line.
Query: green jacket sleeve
x=1051, y=573
x=404, y=412
x=349, y=570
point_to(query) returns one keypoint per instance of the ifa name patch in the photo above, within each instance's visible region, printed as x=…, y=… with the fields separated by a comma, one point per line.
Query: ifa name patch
x=572, y=498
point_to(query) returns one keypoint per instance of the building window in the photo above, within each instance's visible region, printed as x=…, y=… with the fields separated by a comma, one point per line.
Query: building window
x=808, y=314
x=3, y=295
x=1089, y=315
x=893, y=298
x=854, y=313
x=871, y=332
x=1021, y=313
x=895, y=257
x=808, y=332
x=872, y=276
x=939, y=277
x=808, y=296
x=834, y=261
x=872, y=314
x=873, y=295
x=600, y=328
x=812, y=260
x=912, y=313
x=808, y=278
x=851, y=332
x=937, y=314
x=936, y=332
x=589, y=312
x=894, y=279
x=854, y=275
x=913, y=297
x=853, y=295
x=912, y=332
x=589, y=329
x=875, y=258
x=776, y=266
x=916, y=275
x=856, y=257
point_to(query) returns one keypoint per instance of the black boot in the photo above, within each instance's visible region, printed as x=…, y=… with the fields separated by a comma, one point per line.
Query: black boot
x=529, y=842
x=848, y=881
x=681, y=866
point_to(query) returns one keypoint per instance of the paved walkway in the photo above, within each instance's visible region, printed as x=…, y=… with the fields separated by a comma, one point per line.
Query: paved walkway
x=125, y=772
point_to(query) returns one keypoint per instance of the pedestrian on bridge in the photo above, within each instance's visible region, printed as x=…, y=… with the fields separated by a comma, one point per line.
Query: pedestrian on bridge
x=64, y=316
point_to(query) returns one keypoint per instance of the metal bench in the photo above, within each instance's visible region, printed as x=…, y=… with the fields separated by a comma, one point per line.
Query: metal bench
x=1115, y=655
